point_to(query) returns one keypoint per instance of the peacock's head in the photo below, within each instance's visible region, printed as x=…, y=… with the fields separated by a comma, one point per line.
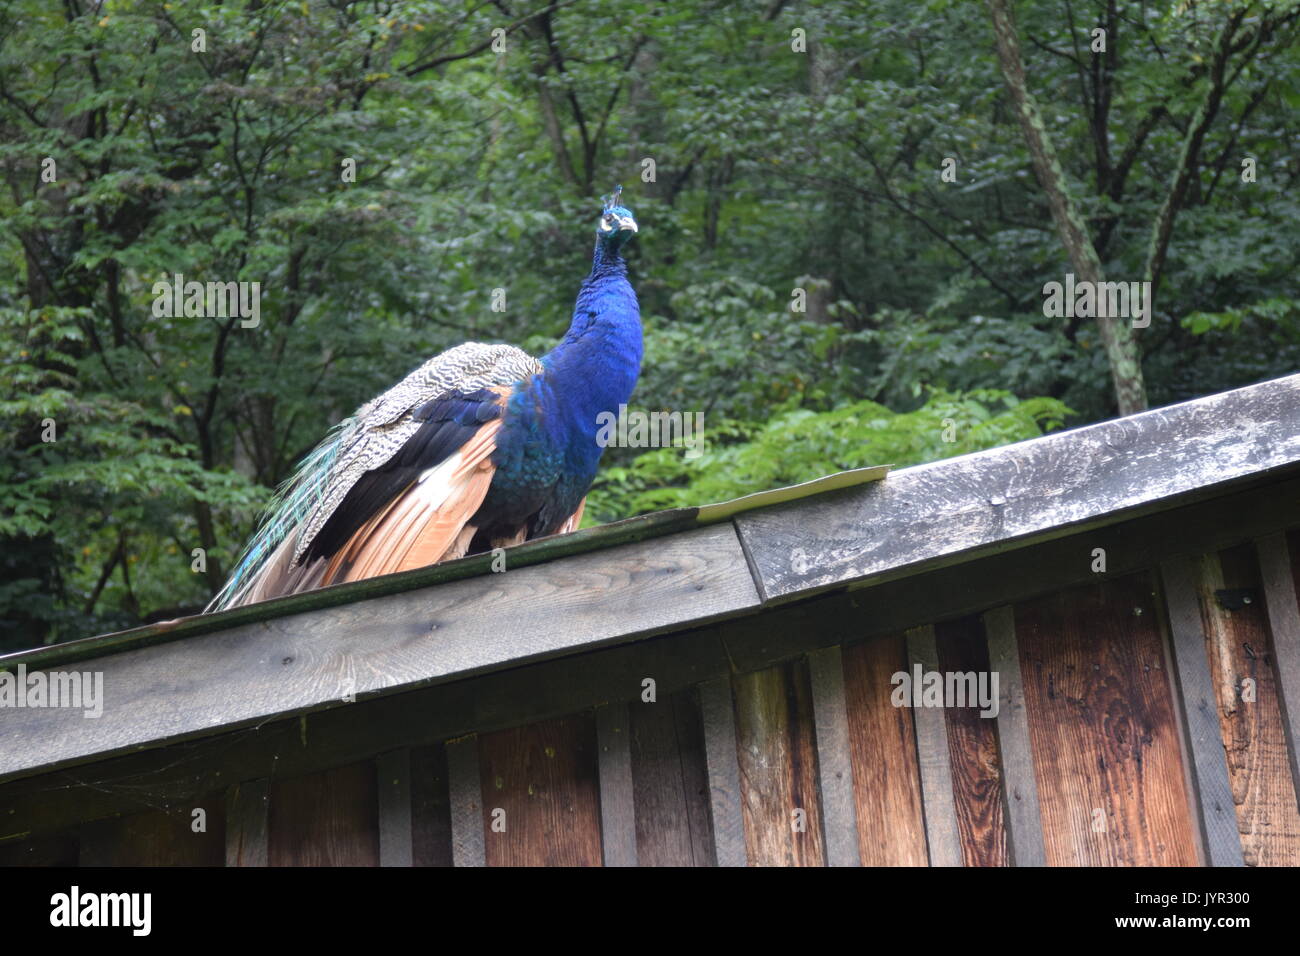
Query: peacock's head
x=617, y=223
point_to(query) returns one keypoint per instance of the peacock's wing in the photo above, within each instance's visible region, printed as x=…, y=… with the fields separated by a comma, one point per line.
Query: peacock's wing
x=368, y=461
x=404, y=516
x=384, y=426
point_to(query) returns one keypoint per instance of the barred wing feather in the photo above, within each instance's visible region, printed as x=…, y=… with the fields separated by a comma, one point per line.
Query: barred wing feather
x=274, y=561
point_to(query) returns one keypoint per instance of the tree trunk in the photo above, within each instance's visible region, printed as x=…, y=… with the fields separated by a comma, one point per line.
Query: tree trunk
x=1116, y=336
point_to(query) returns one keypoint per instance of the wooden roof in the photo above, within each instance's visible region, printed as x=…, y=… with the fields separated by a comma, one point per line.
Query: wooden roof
x=664, y=572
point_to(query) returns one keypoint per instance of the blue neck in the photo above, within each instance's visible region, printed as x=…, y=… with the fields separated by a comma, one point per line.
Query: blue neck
x=595, y=366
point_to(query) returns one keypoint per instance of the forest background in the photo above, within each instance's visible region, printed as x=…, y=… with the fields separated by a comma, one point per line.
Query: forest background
x=848, y=211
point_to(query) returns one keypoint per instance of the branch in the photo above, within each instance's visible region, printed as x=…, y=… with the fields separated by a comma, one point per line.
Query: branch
x=104, y=575
x=1117, y=338
x=1189, y=156
x=438, y=61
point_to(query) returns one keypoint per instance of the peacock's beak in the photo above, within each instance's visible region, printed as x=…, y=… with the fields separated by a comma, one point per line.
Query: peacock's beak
x=627, y=224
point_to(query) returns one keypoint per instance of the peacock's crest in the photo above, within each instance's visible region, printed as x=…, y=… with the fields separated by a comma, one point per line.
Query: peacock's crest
x=617, y=224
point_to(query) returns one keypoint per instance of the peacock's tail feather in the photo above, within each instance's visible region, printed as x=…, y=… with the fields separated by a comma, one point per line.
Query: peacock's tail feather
x=295, y=499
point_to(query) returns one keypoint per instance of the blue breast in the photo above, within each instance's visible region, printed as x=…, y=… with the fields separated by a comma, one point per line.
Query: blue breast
x=547, y=453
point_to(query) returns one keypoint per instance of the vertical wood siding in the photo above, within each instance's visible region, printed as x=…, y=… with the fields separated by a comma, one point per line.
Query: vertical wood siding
x=1106, y=752
x=1145, y=719
x=543, y=778
x=882, y=745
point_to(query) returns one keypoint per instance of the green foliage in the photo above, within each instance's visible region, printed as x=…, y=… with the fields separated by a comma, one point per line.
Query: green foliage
x=776, y=174
x=1279, y=313
x=98, y=481
x=799, y=445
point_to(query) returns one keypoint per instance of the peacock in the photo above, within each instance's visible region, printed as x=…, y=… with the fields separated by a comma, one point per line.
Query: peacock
x=481, y=447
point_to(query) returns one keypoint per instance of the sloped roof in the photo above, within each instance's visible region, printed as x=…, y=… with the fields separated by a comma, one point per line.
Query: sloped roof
x=667, y=571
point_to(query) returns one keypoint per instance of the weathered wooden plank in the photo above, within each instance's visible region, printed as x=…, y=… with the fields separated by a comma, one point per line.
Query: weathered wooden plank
x=246, y=830
x=541, y=794
x=1024, y=827
x=537, y=551
x=886, y=780
x=400, y=641
x=777, y=753
x=617, y=794
x=1280, y=571
x=718, y=717
x=1209, y=768
x=468, y=843
x=941, y=832
x=927, y=515
x=180, y=771
x=834, y=764
x=1241, y=655
x=157, y=838
x=1180, y=722
x=396, y=842
x=689, y=726
x=1104, y=736
x=325, y=819
x=973, y=745
x=878, y=607
x=671, y=783
x=430, y=806
x=353, y=732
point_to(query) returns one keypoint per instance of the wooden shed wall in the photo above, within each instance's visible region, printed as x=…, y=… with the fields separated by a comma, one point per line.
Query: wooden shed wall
x=1127, y=736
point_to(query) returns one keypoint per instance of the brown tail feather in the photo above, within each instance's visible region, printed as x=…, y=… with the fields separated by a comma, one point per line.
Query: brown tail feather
x=424, y=524
x=343, y=559
x=280, y=576
x=441, y=534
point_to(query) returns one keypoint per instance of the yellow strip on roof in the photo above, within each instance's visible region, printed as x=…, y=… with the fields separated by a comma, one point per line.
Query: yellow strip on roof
x=843, y=479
